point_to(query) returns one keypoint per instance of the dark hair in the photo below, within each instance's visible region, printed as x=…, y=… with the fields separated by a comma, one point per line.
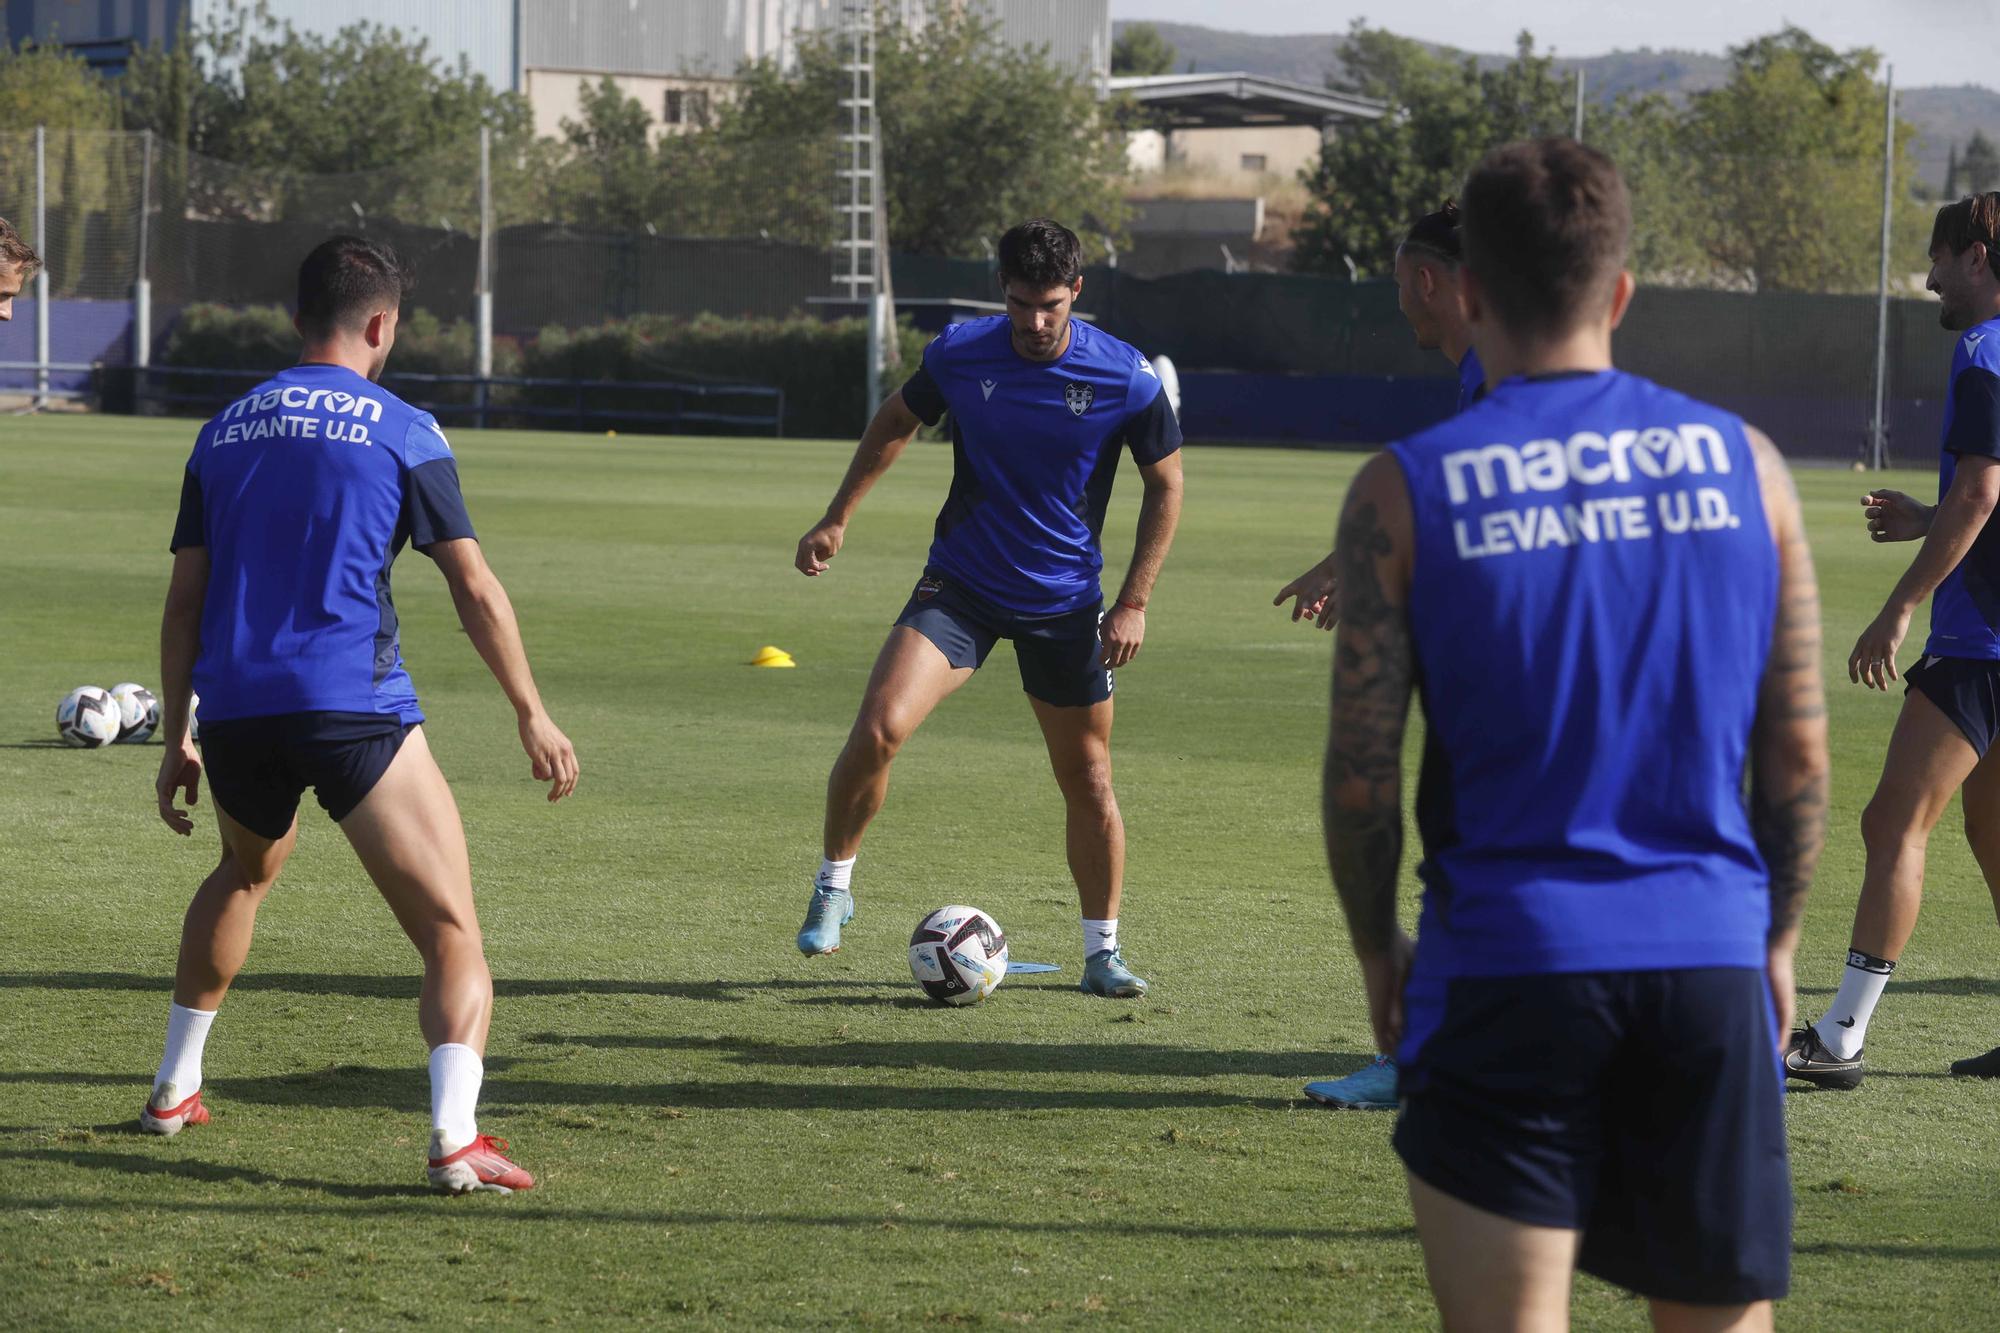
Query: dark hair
x=345, y=279
x=1546, y=226
x=1041, y=253
x=15, y=253
x=1437, y=234
x=1973, y=219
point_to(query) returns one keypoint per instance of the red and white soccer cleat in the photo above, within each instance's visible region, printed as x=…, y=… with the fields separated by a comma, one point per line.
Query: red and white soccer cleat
x=168, y=1114
x=480, y=1165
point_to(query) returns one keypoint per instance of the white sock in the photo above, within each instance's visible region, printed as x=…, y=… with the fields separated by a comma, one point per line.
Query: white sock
x=1099, y=936
x=834, y=874
x=455, y=1074
x=187, y=1033
x=1845, y=1022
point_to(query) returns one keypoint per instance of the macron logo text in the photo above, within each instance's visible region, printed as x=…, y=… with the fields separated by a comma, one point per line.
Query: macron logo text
x=1587, y=458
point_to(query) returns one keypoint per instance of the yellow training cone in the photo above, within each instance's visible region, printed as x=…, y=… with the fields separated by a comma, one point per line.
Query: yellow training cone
x=767, y=656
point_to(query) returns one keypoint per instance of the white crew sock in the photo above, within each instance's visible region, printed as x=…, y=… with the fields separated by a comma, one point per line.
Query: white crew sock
x=187, y=1033
x=455, y=1074
x=1099, y=936
x=1845, y=1022
x=834, y=874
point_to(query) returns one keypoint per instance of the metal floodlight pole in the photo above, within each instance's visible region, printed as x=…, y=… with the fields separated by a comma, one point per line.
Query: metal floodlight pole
x=1879, y=435
x=142, y=286
x=1578, y=135
x=42, y=277
x=483, y=281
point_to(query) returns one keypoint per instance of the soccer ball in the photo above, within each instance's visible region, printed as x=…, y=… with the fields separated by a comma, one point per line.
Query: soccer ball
x=138, y=712
x=958, y=955
x=87, y=718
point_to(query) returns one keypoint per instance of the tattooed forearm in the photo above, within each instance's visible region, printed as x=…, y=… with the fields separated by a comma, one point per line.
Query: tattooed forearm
x=1362, y=784
x=1789, y=830
x=1788, y=762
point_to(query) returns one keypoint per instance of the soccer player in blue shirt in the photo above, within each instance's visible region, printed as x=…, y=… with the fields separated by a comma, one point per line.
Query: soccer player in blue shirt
x=295, y=503
x=1427, y=265
x=1951, y=706
x=1601, y=593
x=1041, y=407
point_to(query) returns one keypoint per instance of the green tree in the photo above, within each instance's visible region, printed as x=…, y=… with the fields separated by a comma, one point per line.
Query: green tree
x=1789, y=154
x=1979, y=167
x=976, y=134
x=1141, y=50
x=1376, y=178
x=610, y=177
x=46, y=85
x=280, y=108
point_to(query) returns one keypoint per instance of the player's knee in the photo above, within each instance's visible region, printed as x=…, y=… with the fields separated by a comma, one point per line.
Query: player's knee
x=1087, y=780
x=449, y=940
x=240, y=876
x=1888, y=824
x=875, y=741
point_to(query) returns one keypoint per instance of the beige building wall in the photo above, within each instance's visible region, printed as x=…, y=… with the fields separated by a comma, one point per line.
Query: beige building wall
x=675, y=103
x=1282, y=150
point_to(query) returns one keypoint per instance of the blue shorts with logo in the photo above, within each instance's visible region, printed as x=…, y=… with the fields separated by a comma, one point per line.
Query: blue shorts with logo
x=258, y=767
x=1060, y=656
x=1644, y=1109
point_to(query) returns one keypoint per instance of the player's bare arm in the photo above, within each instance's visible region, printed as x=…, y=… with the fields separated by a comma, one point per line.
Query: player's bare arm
x=1788, y=745
x=1974, y=493
x=1362, y=785
x=180, y=644
x=488, y=617
x=1893, y=516
x=1124, y=627
x=894, y=426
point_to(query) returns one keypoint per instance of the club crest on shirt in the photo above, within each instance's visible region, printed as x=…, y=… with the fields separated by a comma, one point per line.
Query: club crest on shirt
x=1078, y=395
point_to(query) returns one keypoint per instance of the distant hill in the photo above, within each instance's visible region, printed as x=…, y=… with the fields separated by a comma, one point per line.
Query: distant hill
x=1943, y=116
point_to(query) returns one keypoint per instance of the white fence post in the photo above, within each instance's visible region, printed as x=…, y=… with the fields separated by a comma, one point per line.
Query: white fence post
x=42, y=278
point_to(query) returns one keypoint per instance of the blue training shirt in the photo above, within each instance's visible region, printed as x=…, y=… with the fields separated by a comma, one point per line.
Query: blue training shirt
x=1965, y=609
x=304, y=490
x=1591, y=608
x=1035, y=448
x=1471, y=380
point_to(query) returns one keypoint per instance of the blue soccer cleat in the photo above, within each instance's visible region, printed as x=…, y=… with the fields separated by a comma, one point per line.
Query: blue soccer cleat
x=1105, y=973
x=829, y=910
x=1369, y=1088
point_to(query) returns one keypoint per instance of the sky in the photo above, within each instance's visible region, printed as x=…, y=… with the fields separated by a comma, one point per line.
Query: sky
x=1929, y=41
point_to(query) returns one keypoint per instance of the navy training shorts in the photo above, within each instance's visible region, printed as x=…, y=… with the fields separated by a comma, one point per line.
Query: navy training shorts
x=1644, y=1109
x=258, y=767
x=1060, y=656
x=1966, y=690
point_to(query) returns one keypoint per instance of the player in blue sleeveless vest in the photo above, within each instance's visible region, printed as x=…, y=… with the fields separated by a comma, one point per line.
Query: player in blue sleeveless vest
x=1951, y=707
x=1427, y=264
x=1600, y=591
x=1041, y=407
x=295, y=503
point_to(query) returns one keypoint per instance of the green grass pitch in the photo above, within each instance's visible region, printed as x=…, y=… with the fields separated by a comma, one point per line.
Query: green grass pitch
x=724, y=1131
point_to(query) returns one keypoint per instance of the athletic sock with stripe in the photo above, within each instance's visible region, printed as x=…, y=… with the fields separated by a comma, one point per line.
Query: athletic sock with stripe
x=1845, y=1023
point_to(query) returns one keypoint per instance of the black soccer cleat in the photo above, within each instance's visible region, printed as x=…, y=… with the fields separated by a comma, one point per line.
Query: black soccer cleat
x=1979, y=1066
x=1807, y=1058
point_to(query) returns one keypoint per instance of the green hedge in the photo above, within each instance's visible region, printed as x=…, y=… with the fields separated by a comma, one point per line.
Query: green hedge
x=818, y=364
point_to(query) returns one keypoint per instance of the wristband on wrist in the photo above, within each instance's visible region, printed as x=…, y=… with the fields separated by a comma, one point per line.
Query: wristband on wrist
x=1132, y=606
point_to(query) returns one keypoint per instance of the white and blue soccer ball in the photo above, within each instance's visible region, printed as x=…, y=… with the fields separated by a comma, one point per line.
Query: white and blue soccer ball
x=958, y=955
x=138, y=712
x=88, y=718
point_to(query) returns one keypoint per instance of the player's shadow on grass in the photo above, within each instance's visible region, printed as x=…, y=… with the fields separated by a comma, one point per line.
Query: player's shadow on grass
x=38, y=743
x=1010, y=1056
x=362, y=985
x=367, y=1087
x=206, y=1172
x=1951, y=987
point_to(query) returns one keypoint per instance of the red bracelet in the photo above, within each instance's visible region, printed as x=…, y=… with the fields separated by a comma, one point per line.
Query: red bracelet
x=1131, y=606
